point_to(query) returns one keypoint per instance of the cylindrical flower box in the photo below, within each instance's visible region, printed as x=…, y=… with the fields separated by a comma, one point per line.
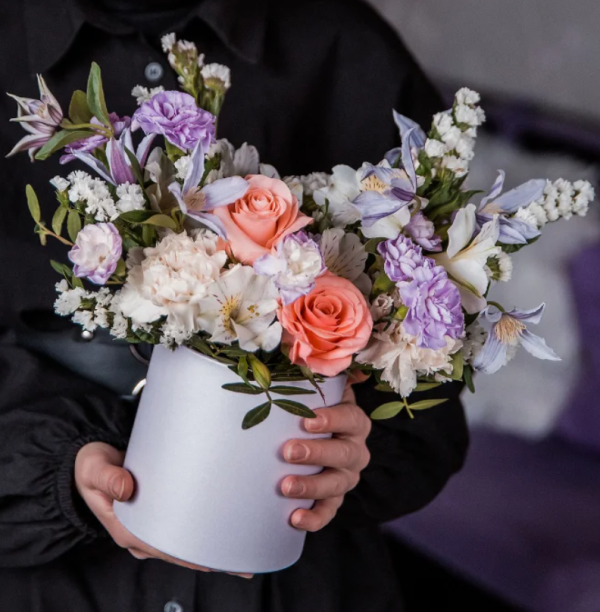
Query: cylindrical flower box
x=207, y=491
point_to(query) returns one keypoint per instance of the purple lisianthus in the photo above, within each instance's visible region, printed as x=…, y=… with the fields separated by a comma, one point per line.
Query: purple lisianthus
x=402, y=256
x=422, y=231
x=434, y=306
x=176, y=116
x=96, y=252
x=86, y=145
x=294, y=268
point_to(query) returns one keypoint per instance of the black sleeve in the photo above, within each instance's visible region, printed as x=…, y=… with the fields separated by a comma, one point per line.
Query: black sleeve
x=411, y=459
x=46, y=415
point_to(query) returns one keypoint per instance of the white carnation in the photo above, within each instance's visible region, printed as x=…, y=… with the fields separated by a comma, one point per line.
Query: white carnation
x=434, y=148
x=467, y=96
x=443, y=123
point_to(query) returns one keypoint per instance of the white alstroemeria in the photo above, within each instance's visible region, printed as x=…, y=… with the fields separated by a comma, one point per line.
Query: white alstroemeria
x=388, y=227
x=466, y=257
x=242, y=306
x=269, y=171
x=344, y=255
x=343, y=187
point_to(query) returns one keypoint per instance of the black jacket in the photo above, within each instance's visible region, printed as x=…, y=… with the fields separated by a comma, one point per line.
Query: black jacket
x=314, y=86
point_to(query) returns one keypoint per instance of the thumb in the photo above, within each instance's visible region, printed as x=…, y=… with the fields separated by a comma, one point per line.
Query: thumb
x=115, y=482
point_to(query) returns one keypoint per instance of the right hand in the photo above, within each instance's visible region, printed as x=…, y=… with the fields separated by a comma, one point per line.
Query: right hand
x=100, y=480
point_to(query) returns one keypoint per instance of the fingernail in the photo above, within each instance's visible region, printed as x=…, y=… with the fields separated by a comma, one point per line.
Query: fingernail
x=119, y=490
x=314, y=424
x=297, y=452
x=298, y=520
x=294, y=488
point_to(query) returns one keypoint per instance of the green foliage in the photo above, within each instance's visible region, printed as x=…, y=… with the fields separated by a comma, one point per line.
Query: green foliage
x=33, y=203
x=59, y=140
x=95, y=96
x=457, y=366
x=427, y=386
x=79, y=111
x=260, y=371
x=73, y=224
x=256, y=415
x=245, y=388
x=387, y=411
x=58, y=219
x=287, y=390
x=425, y=404
x=468, y=376
x=295, y=408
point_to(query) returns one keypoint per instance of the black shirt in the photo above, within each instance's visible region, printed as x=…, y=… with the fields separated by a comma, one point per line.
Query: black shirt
x=314, y=84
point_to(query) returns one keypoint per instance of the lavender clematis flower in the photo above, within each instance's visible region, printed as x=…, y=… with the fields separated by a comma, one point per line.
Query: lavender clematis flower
x=294, y=268
x=119, y=169
x=87, y=145
x=512, y=231
x=509, y=330
x=434, y=306
x=385, y=189
x=176, y=116
x=196, y=203
x=422, y=231
x=96, y=252
x=401, y=258
x=40, y=118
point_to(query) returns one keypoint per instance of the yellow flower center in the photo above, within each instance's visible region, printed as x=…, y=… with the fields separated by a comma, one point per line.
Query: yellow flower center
x=195, y=200
x=228, y=312
x=508, y=330
x=373, y=183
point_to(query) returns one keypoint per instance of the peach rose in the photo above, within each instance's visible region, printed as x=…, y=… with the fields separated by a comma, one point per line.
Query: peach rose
x=325, y=328
x=261, y=219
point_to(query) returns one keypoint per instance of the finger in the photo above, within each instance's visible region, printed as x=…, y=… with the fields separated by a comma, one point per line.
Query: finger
x=330, y=452
x=139, y=554
x=349, y=397
x=330, y=483
x=113, y=481
x=343, y=419
x=321, y=514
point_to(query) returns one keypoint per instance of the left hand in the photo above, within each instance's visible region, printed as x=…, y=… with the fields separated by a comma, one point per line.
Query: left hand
x=343, y=456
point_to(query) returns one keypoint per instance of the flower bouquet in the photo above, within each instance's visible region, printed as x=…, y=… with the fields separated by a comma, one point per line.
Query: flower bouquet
x=263, y=294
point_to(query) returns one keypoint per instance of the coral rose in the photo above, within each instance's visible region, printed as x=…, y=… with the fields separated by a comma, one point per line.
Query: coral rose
x=259, y=221
x=325, y=328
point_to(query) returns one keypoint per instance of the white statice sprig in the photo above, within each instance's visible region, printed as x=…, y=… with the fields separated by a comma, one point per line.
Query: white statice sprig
x=143, y=94
x=94, y=194
x=131, y=197
x=216, y=76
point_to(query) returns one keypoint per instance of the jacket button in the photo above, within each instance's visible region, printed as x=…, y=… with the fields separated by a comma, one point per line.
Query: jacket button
x=154, y=72
x=87, y=335
x=173, y=606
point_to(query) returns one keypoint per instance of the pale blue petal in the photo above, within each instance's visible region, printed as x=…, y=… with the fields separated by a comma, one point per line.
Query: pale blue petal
x=515, y=231
x=393, y=156
x=211, y=221
x=521, y=196
x=529, y=316
x=175, y=189
x=119, y=169
x=144, y=149
x=224, y=191
x=95, y=164
x=405, y=125
x=195, y=170
x=537, y=346
x=492, y=355
x=374, y=206
x=492, y=317
x=408, y=142
x=496, y=189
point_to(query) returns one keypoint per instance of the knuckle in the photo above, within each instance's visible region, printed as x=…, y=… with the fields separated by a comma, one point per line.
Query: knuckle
x=339, y=484
x=365, y=458
x=354, y=480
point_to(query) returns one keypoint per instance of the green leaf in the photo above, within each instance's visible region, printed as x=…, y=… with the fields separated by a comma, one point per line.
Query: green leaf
x=260, y=371
x=161, y=221
x=173, y=152
x=242, y=369
x=243, y=388
x=121, y=268
x=73, y=225
x=383, y=284
x=295, y=408
x=61, y=268
x=458, y=365
x=371, y=245
x=468, y=376
x=79, y=111
x=58, y=219
x=200, y=345
x=423, y=405
x=148, y=235
x=137, y=216
x=427, y=386
x=256, y=415
x=288, y=390
x=33, y=203
x=59, y=140
x=135, y=166
x=387, y=411
x=384, y=387
x=95, y=96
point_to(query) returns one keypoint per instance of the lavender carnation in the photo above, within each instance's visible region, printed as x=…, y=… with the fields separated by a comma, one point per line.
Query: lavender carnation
x=96, y=252
x=422, y=231
x=402, y=256
x=176, y=116
x=434, y=306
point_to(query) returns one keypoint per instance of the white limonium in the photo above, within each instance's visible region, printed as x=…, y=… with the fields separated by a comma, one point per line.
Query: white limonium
x=69, y=300
x=561, y=200
x=143, y=94
x=167, y=42
x=467, y=96
x=170, y=279
x=182, y=165
x=397, y=353
x=242, y=306
x=499, y=267
x=131, y=197
x=216, y=76
x=343, y=187
x=85, y=318
x=60, y=183
x=94, y=193
x=475, y=337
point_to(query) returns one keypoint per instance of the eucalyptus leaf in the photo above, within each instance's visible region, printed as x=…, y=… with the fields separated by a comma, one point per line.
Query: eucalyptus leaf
x=260, y=371
x=387, y=411
x=295, y=408
x=425, y=404
x=58, y=219
x=256, y=415
x=73, y=225
x=95, y=96
x=79, y=111
x=243, y=388
x=33, y=203
x=61, y=139
x=288, y=390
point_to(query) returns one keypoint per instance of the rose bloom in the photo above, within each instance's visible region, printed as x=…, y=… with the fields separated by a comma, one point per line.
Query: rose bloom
x=325, y=328
x=176, y=116
x=96, y=252
x=259, y=221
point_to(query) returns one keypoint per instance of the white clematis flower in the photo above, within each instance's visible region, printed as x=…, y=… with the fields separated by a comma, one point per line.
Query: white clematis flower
x=388, y=227
x=242, y=306
x=465, y=260
x=342, y=188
